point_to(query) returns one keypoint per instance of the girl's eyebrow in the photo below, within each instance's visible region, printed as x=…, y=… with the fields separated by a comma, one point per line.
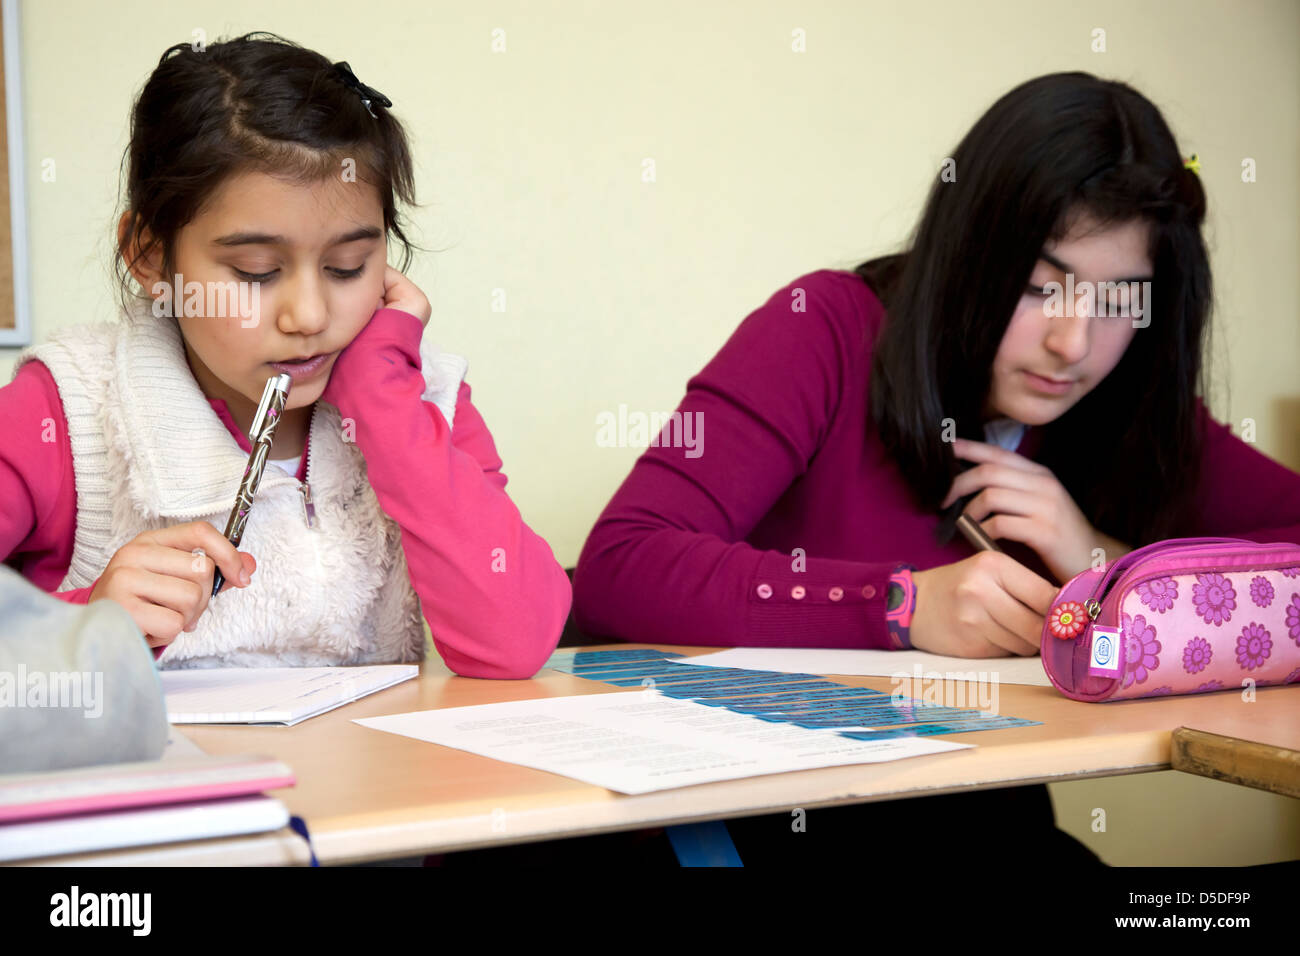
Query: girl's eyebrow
x=1058, y=264
x=266, y=239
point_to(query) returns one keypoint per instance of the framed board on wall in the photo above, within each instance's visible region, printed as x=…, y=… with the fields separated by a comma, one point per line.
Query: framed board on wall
x=15, y=311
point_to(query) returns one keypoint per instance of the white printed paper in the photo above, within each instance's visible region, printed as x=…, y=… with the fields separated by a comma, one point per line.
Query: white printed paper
x=639, y=742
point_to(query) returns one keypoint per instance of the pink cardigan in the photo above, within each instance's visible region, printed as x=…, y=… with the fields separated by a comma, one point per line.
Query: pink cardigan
x=782, y=527
x=443, y=486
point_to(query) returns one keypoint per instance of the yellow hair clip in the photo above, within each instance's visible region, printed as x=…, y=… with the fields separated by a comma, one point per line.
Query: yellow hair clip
x=1193, y=164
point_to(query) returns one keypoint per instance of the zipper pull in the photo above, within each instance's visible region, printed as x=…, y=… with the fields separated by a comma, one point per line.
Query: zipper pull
x=308, y=509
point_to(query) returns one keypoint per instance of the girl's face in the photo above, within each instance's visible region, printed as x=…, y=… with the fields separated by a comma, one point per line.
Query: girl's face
x=318, y=254
x=1048, y=358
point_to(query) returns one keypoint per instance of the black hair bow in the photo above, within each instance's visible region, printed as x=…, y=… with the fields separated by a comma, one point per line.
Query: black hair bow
x=368, y=94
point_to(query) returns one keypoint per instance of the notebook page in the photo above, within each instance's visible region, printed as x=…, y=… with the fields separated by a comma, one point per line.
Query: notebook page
x=271, y=695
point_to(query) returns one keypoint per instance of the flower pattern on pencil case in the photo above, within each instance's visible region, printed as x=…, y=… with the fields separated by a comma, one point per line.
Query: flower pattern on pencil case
x=1187, y=633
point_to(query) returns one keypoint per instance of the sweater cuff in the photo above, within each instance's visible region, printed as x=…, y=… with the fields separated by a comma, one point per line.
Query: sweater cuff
x=395, y=327
x=77, y=596
x=388, y=346
x=796, y=601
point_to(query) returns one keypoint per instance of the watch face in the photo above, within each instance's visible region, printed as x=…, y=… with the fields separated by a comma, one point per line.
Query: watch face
x=895, y=599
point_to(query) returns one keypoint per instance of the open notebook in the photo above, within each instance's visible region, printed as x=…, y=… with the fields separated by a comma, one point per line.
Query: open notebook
x=272, y=695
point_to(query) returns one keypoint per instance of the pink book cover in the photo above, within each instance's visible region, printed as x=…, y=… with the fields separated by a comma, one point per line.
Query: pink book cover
x=61, y=793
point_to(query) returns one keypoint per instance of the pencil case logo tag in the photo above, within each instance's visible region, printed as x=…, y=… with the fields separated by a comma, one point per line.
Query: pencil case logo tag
x=1104, y=658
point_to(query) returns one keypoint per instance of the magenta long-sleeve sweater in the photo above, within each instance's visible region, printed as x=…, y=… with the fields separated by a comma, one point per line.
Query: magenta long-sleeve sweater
x=782, y=527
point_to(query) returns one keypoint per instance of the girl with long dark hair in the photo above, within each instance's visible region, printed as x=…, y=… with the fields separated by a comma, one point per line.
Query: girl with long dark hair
x=850, y=418
x=840, y=415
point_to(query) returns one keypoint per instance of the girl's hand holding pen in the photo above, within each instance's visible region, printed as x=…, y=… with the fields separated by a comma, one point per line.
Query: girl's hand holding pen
x=164, y=578
x=989, y=605
x=1028, y=504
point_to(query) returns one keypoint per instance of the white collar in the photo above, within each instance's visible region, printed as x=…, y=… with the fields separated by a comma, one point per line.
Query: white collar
x=1005, y=432
x=186, y=463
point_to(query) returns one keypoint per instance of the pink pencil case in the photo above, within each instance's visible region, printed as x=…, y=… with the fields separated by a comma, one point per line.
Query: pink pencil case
x=1181, y=616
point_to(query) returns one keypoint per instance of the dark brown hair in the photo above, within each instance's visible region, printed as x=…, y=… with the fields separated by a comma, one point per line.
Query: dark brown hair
x=1129, y=452
x=257, y=102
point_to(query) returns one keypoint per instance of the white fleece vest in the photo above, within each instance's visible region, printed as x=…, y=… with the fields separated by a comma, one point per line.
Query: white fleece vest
x=149, y=452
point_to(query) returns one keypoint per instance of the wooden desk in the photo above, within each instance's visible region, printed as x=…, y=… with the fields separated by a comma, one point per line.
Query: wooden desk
x=368, y=795
x=1259, y=749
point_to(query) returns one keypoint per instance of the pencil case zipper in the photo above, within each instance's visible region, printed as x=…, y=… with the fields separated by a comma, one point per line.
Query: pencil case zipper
x=1102, y=611
x=1115, y=576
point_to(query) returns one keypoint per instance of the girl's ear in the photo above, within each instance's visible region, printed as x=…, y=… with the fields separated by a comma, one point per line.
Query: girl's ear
x=143, y=256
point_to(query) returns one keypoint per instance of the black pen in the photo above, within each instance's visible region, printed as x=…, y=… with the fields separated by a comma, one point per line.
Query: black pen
x=268, y=415
x=955, y=519
x=975, y=534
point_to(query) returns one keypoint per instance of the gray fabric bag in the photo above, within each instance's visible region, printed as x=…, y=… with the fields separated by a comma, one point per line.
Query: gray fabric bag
x=78, y=685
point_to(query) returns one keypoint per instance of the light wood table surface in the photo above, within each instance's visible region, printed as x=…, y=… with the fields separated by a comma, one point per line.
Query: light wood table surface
x=368, y=795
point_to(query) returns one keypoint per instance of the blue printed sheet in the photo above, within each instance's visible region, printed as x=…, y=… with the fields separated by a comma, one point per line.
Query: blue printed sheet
x=802, y=700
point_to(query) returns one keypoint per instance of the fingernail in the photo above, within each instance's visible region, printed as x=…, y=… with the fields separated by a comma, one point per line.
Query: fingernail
x=244, y=578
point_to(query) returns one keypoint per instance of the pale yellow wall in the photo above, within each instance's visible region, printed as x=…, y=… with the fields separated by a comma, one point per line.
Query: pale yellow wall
x=769, y=163
x=1177, y=819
